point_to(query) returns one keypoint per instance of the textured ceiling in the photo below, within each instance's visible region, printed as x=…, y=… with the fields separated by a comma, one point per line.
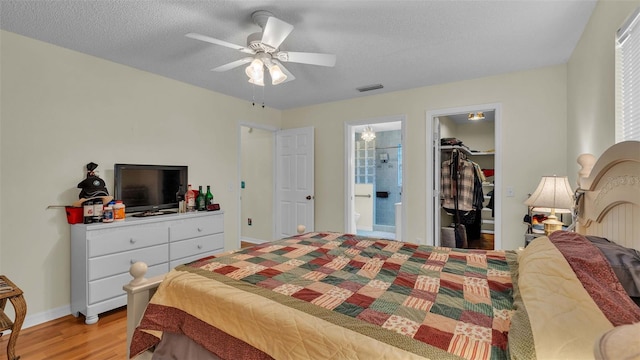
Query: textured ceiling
x=400, y=44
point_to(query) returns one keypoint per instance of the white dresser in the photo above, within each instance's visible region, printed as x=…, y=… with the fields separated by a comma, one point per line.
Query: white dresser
x=101, y=254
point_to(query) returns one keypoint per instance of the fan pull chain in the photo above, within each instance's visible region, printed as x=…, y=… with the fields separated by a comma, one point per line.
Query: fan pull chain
x=253, y=95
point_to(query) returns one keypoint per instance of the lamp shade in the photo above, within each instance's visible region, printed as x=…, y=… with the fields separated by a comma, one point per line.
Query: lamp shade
x=553, y=192
x=277, y=76
x=254, y=70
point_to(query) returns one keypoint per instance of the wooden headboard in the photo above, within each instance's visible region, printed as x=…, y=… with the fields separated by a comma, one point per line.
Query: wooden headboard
x=609, y=194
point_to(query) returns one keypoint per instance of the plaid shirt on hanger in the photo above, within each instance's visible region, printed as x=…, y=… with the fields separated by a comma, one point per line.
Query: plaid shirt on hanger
x=465, y=185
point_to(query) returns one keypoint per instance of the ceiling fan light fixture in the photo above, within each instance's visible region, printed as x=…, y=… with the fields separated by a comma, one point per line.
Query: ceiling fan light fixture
x=476, y=116
x=255, y=69
x=277, y=76
x=257, y=81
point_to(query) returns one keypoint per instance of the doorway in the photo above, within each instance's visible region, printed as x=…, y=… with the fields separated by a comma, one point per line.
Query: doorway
x=276, y=170
x=374, y=203
x=459, y=130
x=257, y=183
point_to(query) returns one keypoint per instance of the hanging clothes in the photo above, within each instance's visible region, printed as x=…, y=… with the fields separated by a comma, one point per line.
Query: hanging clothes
x=474, y=229
x=462, y=195
x=462, y=186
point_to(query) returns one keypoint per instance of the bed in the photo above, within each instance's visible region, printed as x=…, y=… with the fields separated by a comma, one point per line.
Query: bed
x=327, y=295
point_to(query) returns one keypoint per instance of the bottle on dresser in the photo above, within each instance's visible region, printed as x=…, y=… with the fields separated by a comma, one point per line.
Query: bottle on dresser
x=190, y=198
x=107, y=214
x=98, y=208
x=208, y=199
x=200, y=200
x=87, y=211
x=180, y=200
x=119, y=211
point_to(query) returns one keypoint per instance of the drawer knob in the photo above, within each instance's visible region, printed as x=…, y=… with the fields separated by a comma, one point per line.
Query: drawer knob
x=132, y=240
x=133, y=261
x=199, y=246
x=199, y=229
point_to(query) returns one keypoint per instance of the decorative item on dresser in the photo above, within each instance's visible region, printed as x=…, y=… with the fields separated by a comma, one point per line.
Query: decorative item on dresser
x=101, y=254
x=359, y=297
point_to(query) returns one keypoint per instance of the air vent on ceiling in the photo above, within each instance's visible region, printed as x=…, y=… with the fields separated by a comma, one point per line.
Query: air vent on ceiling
x=370, y=87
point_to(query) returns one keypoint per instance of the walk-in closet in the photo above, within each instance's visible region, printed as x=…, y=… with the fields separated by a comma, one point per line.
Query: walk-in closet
x=464, y=174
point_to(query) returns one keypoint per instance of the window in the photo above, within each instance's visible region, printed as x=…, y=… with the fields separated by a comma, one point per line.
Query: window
x=365, y=161
x=628, y=79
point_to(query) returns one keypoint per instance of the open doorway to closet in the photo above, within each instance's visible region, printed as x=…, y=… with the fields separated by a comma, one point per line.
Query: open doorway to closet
x=256, y=174
x=469, y=137
x=275, y=169
x=374, y=169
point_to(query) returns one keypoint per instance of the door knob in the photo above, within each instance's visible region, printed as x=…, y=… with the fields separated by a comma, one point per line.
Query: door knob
x=308, y=197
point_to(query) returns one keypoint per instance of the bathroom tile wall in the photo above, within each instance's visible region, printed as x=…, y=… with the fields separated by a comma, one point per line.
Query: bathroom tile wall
x=387, y=142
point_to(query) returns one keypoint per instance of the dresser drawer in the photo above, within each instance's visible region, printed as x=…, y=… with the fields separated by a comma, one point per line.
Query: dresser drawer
x=113, y=264
x=125, y=238
x=110, y=287
x=194, y=227
x=199, y=245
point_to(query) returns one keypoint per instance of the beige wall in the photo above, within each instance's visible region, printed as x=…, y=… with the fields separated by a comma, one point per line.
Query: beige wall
x=61, y=110
x=257, y=173
x=591, y=82
x=533, y=108
x=477, y=135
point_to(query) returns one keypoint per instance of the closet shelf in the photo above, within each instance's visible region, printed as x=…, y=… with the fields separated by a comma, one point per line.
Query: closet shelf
x=465, y=150
x=487, y=221
x=483, y=231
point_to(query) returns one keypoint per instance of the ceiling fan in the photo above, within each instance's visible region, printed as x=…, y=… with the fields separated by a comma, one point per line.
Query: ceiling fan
x=264, y=47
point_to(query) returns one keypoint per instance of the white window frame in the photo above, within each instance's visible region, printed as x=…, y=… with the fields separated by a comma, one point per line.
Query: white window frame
x=628, y=79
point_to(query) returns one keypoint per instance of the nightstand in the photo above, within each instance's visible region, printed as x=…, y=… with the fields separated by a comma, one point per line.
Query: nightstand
x=529, y=237
x=20, y=309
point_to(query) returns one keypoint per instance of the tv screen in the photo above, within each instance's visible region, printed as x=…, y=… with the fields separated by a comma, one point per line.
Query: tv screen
x=148, y=188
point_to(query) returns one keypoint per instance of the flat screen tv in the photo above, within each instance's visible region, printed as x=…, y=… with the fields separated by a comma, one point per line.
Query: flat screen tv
x=148, y=188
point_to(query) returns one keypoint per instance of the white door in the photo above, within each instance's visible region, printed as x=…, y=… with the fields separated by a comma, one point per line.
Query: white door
x=436, y=181
x=294, y=181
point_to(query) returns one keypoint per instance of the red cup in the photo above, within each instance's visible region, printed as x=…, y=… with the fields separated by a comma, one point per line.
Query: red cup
x=74, y=214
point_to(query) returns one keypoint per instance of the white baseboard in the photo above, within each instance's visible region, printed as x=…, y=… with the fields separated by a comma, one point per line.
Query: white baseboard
x=253, y=241
x=39, y=318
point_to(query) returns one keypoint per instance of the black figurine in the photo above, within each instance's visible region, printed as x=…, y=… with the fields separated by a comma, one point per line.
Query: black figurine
x=93, y=186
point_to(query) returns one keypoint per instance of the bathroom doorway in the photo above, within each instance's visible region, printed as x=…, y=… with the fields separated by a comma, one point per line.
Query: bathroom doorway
x=374, y=168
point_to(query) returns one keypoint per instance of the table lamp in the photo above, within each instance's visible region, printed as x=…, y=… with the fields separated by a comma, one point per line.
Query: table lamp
x=553, y=194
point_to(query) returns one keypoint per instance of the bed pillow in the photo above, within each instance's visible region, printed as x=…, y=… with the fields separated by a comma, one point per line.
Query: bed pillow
x=618, y=343
x=625, y=263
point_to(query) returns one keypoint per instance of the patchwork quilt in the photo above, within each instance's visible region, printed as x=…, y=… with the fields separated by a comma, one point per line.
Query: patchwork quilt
x=356, y=297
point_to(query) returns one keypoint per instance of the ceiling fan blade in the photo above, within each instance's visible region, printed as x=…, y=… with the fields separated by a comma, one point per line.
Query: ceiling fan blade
x=219, y=42
x=275, y=31
x=233, y=64
x=285, y=71
x=307, y=58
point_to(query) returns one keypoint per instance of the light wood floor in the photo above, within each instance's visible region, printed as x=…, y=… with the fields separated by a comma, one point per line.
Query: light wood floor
x=68, y=338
